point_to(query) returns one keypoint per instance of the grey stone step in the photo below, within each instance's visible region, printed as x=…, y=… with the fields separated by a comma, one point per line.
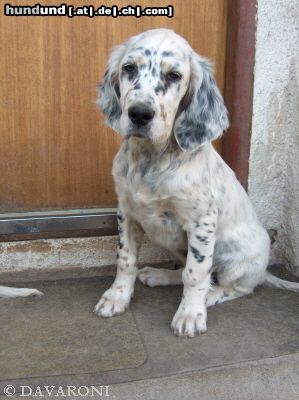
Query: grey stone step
x=249, y=351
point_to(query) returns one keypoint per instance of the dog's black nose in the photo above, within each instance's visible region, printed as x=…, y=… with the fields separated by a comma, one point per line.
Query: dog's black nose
x=140, y=114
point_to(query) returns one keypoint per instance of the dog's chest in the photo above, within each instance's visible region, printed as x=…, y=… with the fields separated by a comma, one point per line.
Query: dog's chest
x=152, y=208
x=158, y=218
x=144, y=194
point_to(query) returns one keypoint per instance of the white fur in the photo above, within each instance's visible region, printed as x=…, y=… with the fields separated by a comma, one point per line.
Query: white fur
x=11, y=292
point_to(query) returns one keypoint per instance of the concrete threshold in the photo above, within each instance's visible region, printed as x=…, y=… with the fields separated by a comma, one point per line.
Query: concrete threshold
x=55, y=258
x=249, y=352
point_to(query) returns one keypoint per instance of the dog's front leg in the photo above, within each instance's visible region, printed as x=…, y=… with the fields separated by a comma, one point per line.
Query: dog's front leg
x=116, y=299
x=191, y=316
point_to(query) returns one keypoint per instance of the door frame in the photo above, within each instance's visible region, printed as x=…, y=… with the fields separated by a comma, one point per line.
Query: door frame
x=58, y=224
x=238, y=95
x=239, y=81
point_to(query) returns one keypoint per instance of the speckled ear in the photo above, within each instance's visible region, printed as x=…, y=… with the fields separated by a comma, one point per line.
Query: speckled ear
x=203, y=115
x=108, y=99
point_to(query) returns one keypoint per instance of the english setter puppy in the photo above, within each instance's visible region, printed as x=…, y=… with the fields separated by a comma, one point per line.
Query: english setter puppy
x=171, y=184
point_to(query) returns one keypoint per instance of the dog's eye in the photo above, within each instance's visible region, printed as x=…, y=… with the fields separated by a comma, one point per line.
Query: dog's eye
x=173, y=76
x=129, y=68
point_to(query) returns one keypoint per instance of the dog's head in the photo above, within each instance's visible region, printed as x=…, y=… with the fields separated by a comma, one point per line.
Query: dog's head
x=156, y=86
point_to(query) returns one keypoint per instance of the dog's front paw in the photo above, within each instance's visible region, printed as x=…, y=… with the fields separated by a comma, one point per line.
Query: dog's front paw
x=113, y=302
x=188, y=323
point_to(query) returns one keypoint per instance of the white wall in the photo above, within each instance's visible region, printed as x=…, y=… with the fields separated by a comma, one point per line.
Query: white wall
x=274, y=155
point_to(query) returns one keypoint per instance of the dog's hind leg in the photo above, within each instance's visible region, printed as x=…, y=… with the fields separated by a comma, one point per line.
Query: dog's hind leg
x=218, y=294
x=160, y=276
x=236, y=280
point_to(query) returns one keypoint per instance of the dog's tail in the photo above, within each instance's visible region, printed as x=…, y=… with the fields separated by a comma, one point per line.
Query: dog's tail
x=11, y=292
x=273, y=281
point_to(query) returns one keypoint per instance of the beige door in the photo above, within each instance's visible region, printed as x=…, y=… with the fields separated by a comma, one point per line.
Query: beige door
x=56, y=152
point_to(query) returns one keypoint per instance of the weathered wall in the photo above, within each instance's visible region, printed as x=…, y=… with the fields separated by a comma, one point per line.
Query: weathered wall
x=274, y=158
x=48, y=257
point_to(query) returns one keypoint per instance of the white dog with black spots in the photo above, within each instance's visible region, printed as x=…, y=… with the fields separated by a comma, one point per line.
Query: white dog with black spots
x=172, y=185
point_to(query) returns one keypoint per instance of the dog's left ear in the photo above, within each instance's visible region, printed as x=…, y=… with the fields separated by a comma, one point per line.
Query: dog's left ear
x=108, y=99
x=202, y=115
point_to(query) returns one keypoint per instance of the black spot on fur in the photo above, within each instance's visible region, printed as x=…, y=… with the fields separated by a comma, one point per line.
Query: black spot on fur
x=129, y=75
x=167, y=54
x=137, y=86
x=166, y=82
x=203, y=239
x=162, y=76
x=147, y=52
x=159, y=88
x=120, y=218
x=198, y=257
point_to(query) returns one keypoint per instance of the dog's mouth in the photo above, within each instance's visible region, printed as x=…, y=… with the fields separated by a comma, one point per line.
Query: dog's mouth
x=138, y=132
x=137, y=135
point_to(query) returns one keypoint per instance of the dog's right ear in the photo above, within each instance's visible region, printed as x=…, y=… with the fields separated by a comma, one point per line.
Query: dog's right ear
x=109, y=96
